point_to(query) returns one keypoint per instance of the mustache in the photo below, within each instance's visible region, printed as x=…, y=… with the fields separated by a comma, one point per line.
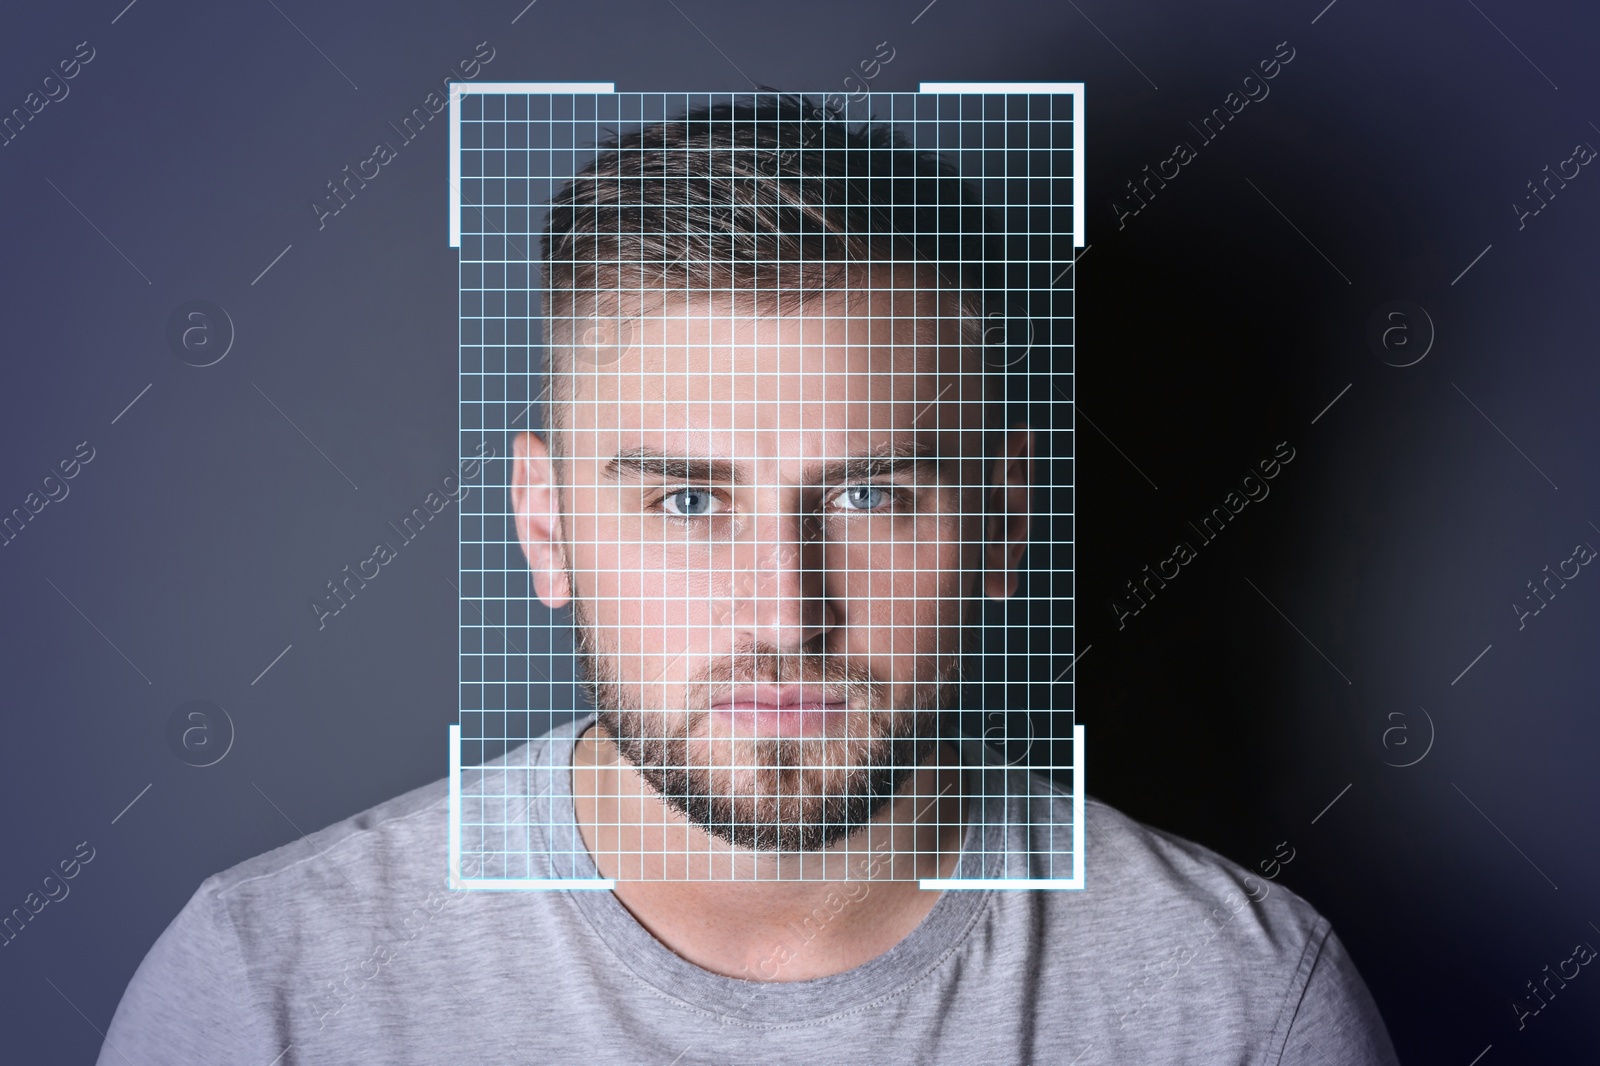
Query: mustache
x=841, y=678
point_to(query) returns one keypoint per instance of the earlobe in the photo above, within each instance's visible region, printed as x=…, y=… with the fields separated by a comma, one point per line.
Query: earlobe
x=1011, y=517
x=538, y=517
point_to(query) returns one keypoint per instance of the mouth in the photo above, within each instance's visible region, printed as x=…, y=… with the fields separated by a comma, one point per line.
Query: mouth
x=769, y=711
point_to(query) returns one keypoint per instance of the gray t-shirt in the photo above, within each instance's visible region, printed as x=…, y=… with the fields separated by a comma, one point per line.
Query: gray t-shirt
x=348, y=947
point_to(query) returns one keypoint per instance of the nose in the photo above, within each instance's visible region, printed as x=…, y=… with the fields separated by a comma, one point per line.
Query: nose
x=780, y=587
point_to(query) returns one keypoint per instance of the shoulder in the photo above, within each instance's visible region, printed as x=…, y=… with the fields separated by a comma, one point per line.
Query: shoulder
x=376, y=831
x=1032, y=819
x=399, y=847
x=1204, y=945
x=305, y=920
x=211, y=988
x=357, y=886
x=1181, y=940
x=299, y=931
x=1146, y=877
x=1140, y=860
x=1141, y=881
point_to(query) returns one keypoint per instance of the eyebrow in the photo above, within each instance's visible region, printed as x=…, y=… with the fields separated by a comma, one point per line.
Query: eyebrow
x=895, y=457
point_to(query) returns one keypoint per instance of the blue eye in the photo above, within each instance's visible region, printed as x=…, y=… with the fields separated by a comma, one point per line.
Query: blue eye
x=690, y=503
x=863, y=498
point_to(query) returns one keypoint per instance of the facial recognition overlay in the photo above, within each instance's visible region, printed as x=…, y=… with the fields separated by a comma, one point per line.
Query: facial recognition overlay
x=776, y=394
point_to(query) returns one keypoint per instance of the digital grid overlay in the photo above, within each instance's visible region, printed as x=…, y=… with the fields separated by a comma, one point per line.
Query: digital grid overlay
x=665, y=327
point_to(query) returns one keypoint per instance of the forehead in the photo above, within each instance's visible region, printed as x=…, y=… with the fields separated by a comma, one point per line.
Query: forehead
x=834, y=371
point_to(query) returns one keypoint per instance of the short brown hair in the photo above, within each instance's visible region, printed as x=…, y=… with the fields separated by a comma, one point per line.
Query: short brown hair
x=759, y=198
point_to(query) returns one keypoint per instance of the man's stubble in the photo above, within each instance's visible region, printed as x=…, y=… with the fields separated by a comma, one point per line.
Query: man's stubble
x=769, y=794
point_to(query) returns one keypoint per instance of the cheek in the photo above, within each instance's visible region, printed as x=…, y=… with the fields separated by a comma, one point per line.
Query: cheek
x=591, y=546
x=902, y=599
x=648, y=603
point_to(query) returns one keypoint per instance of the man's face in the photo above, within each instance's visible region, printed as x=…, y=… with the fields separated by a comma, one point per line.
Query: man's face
x=772, y=529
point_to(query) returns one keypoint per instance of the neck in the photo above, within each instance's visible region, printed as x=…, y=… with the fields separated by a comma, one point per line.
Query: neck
x=760, y=915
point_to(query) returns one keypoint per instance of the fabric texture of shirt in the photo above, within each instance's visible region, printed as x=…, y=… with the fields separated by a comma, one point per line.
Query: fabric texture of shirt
x=348, y=947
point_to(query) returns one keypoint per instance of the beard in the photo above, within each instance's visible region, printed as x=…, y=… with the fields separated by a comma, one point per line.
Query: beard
x=774, y=794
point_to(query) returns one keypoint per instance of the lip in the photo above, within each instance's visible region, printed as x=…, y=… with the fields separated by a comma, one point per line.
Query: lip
x=781, y=697
x=767, y=711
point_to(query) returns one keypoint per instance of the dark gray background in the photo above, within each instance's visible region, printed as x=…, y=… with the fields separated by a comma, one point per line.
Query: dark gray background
x=1220, y=320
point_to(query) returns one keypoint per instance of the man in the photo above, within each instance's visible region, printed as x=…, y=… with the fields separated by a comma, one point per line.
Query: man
x=774, y=486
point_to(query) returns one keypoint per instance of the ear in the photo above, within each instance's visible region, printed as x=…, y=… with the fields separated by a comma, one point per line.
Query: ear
x=538, y=514
x=1010, y=513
